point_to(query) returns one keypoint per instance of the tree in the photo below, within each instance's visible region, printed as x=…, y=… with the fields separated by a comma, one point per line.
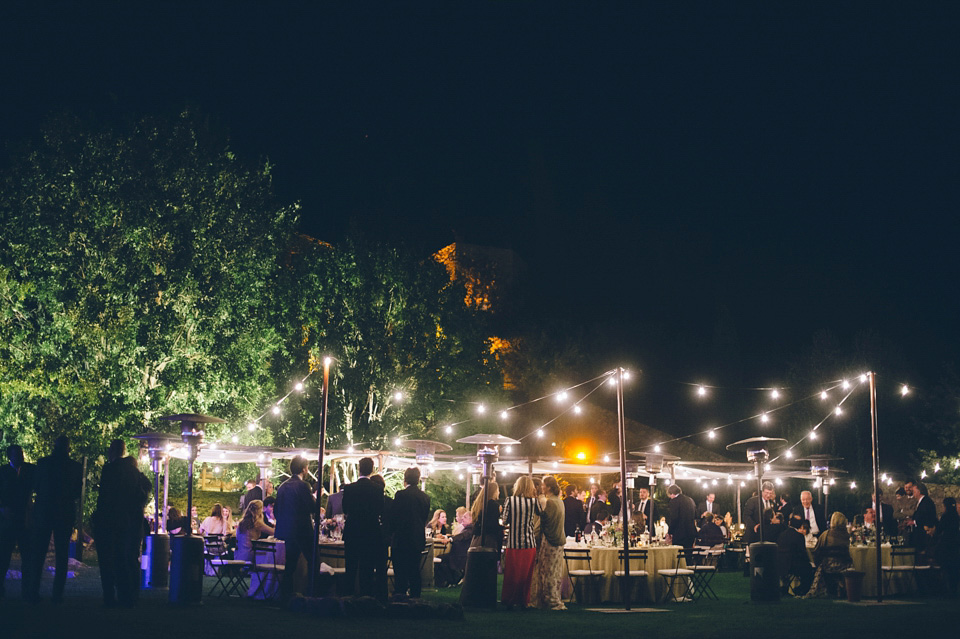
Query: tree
x=135, y=267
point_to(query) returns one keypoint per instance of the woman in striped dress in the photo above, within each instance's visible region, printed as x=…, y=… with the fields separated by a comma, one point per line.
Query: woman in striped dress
x=519, y=512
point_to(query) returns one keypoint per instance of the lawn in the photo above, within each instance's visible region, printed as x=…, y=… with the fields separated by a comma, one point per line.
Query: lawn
x=733, y=615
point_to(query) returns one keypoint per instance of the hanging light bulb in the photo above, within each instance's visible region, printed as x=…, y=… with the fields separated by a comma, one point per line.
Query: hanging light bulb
x=788, y=454
x=702, y=391
x=936, y=467
x=606, y=459
x=853, y=485
x=504, y=414
x=276, y=409
x=612, y=381
x=397, y=442
x=234, y=439
x=656, y=448
x=863, y=378
x=712, y=434
x=576, y=409
x=252, y=426
x=540, y=432
x=299, y=387
x=509, y=449
x=481, y=409
x=956, y=463
x=778, y=481
x=813, y=434
x=775, y=394
x=449, y=430
x=823, y=395
x=838, y=411
x=764, y=418
x=845, y=384
x=904, y=390
x=562, y=396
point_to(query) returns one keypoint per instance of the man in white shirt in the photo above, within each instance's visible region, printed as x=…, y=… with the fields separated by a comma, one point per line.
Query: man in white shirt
x=645, y=506
x=811, y=512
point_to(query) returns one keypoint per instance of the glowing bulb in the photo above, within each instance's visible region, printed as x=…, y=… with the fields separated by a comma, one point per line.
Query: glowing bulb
x=460, y=475
x=936, y=467
x=591, y=480
x=234, y=439
x=613, y=381
x=562, y=396
x=350, y=449
x=839, y=411
x=581, y=456
x=481, y=409
x=606, y=458
x=823, y=394
x=846, y=384
x=766, y=468
x=775, y=394
x=702, y=391
x=778, y=481
x=863, y=378
x=832, y=481
x=904, y=390
x=276, y=410
x=729, y=481
x=299, y=386
x=327, y=361
x=223, y=455
x=656, y=448
x=213, y=446
x=742, y=484
x=540, y=432
x=556, y=465
x=813, y=434
x=789, y=454
x=398, y=396
x=509, y=449
x=449, y=430
x=554, y=444
x=252, y=426
x=712, y=434
x=889, y=482
x=504, y=414
x=626, y=374
x=576, y=409
x=715, y=482
x=853, y=485
x=397, y=441
x=956, y=463
x=216, y=469
x=764, y=418
x=883, y=477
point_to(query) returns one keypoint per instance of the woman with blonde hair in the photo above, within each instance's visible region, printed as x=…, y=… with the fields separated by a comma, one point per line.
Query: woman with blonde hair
x=438, y=525
x=832, y=557
x=519, y=512
x=251, y=528
x=548, y=572
x=491, y=529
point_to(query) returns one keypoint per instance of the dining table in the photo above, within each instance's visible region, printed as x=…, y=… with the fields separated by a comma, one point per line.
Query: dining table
x=865, y=560
x=606, y=558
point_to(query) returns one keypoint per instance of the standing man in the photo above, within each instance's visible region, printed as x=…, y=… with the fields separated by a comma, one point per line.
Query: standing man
x=925, y=516
x=680, y=517
x=58, y=483
x=253, y=492
x=614, y=499
x=16, y=489
x=753, y=512
x=118, y=526
x=295, y=507
x=811, y=512
x=363, y=507
x=408, y=519
x=574, y=515
x=707, y=508
x=645, y=507
x=887, y=523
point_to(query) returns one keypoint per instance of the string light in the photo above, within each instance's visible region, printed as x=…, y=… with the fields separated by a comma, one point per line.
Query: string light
x=845, y=384
x=712, y=434
x=702, y=391
x=576, y=409
x=656, y=448
x=839, y=411
x=276, y=409
x=904, y=390
x=504, y=414
x=449, y=430
x=299, y=387
x=863, y=378
x=540, y=432
x=626, y=374
x=823, y=395
x=853, y=485
x=813, y=434
x=252, y=426
x=788, y=454
x=562, y=396
x=775, y=394
x=764, y=418
x=235, y=439
x=481, y=409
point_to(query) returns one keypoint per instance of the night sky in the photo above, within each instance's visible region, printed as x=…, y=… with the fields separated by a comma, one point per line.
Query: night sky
x=657, y=167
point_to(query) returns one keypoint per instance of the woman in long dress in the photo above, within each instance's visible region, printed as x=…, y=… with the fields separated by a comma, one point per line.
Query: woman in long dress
x=519, y=512
x=548, y=573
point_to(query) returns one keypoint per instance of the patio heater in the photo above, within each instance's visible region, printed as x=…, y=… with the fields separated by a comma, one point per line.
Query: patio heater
x=480, y=576
x=653, y=465
x=764, y=580
x=186, y=561
x=426, y=450
x=821, y=471
x=157, y=556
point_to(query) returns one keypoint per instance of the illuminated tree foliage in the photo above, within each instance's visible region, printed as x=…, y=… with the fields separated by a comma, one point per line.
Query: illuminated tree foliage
x=146, y=271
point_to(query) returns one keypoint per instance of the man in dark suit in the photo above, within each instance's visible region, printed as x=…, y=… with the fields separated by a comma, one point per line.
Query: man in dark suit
x=792, y=557
x=335, y=504
x=58, y=483
x=295, y=509
x=574, y=516
x=708, y=507
x=811, y=512
x=16, y=491
x=681, y=515
x=598, y=511
x=613, y=500
x=118, y=526
x=408, y=519
x=645, y=506
x=753, y=512
x=253, y=492
x=363, y=507
x=925, y=516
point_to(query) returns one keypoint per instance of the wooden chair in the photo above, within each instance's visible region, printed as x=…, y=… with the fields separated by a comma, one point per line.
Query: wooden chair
x=626, y=580
x=589, y=575
x=268, y=571
x=670, y=577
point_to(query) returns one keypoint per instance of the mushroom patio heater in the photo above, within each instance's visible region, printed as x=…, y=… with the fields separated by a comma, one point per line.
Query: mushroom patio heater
x=480, y=576
x=426, y=450
x=764, y=580
x=652, y=464
x=155, y=573
x=186, y=561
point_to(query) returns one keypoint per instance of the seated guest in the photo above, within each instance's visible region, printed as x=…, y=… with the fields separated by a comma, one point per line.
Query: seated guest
x=449, y=571
x=710, y=533
x=177, y=524
x=870, y=519
x=268, y=515
x=218, y=523
x=832, y=557
x=722, y=525
x=772, y=524
x=438, y=525
x=457, y=526
x=251, y=528
x=792, y=558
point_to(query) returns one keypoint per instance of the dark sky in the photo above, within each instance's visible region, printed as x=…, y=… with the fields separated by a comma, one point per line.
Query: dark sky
x=652, y=164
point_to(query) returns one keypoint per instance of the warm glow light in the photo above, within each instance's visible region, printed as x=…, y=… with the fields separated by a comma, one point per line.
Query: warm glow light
x=554, y=444
x=846, y=384
x=276, y=410
x=299, y=386
x=327, y=360
x=504, y=414
x=613, y=381
x=626, y=374
x=216, y=469
x=397, y=441
x=956, y=463
x=788, y=454
x=590, y=480
x=766, y=468
x=904, y=390
x=540, y=432
x=556, y=465
x=936, y=467
x=349, y=449
x=701, y=391
x=252, y=426
x=461, y=475
x=481, y=409
x=449, y=430
x=712, y=434
x=509, y=449
x=729, y=481
x=813, y=434
x=398, y=396
x=764, y=418
x=576, y=409
x=742, y=484
x=823, y=394
x=213, y=446
x=562, y=396
x=234, y=439
x=839, y=411
x=775, y=394
x=778, y=481
x=863, y=378
x=606, y=458
x=581, y=456
x=832, y=481
x=656, y=448
x=853, y=485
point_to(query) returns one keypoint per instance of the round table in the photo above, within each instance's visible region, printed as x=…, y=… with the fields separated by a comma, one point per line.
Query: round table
x=606, y=558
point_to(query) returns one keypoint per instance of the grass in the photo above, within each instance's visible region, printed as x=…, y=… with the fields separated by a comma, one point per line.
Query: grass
x=732, y=615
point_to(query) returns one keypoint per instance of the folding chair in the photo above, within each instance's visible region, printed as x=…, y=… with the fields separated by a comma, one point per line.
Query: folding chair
x=268, y=571
x=903, y=564
x=704, y=566
x=670, y=577
x=592, y=577
x=626, y=580
x=230, y=573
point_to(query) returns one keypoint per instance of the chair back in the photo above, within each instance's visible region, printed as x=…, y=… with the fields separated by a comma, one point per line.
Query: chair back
x=260, y=546
x=576, y=554
x=214, y=545
x=633, y=554
x=902, y=553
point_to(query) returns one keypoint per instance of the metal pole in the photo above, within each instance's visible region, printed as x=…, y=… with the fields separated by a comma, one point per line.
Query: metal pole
x=469, y=474
x=323, y=437
x=166, y=491
x=624, y=518
x=756, y=463
x=78, y=548
x=876, y=478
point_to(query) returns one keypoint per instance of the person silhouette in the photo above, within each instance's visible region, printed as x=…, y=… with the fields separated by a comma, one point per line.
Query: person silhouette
x=16, y=490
